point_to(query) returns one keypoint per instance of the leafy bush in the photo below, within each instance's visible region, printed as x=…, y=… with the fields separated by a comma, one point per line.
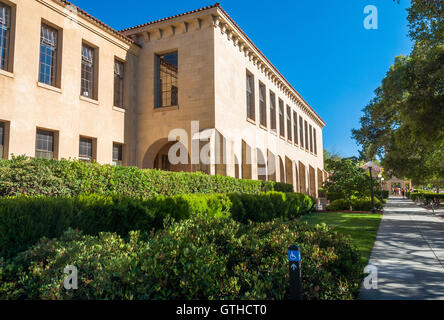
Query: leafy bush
x=199, y=258
x=24, y=220
x=425, y=196
x=362, y=204
x=30, y=176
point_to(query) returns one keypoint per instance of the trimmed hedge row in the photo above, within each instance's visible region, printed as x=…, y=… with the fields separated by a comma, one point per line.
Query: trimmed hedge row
x=363, y=204
x=425, y=196
x=24, y=220
x=199, y=258
x=30, y=176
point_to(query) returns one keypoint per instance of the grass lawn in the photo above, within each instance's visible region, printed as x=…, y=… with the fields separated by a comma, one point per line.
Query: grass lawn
x=361, y=227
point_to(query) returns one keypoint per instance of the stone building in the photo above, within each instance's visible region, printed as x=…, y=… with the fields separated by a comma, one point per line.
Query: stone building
x=189, y=92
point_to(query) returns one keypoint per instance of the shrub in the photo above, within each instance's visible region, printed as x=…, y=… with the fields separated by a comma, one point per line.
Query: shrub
x=427, y=196
x=362, y=204
x=24, y=220
x=200, y=258
x=332, y=196
x=30, y=176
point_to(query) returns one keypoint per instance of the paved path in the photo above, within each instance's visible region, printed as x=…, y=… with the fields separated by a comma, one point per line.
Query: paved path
x=408, y=253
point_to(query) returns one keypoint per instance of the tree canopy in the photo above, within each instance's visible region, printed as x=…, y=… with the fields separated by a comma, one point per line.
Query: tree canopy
x=404, y=123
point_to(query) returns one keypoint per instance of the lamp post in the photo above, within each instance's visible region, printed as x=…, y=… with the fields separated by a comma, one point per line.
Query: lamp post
x=370, y=165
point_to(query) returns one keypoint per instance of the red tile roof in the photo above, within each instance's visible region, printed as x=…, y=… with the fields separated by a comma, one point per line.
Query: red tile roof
x=217, y=4
x=102, y=24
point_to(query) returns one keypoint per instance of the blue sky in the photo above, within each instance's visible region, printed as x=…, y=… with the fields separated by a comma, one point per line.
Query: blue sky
x=320, y=46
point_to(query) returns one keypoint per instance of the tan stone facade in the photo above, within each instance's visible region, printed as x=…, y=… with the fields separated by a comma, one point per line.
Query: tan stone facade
x=199, y=99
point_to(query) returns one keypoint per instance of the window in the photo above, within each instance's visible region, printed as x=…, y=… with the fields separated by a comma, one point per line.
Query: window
x=119, y=73
x=301, y=131
x=5, y=34
x=86, y=149
x=272, y=111
x=250, y=97
x=306, y=134
x=281, y=118
x=166, y=85
x=311, y=138
x=44, y=144
x=295, y=127
x=2, y=139
x=117, y=154
x=289, y=133
x=88, y=72
x=48, y=55
x=315, y=144
x=262, y=104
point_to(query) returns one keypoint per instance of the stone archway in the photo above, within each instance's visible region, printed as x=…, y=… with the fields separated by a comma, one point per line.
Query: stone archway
x=281, y=170
x=302, y=178
x=261, y=165
x=246, y=161
x=271, y=166
x=289, y=171
x=165, y=160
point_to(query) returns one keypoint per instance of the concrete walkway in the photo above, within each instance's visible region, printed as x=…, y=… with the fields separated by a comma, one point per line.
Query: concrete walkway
x=408, y=253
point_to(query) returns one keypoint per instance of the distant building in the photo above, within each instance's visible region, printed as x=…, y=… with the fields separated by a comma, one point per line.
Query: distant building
x=73, y=87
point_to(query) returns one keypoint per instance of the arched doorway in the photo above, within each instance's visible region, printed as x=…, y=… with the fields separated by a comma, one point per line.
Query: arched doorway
x=261, y=165
x=289, y=170
x=281, y=170
x=271, y=166
x=177, y=160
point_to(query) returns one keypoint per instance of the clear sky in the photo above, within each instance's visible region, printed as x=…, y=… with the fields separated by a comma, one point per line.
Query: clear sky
x=320, y=46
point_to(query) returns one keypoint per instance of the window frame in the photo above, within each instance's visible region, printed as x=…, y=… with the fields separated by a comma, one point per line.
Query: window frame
x=310, y=130
x=315, y=146
x=8, y=65
x=85, y=157
x=54, y=78
x=295, y=128
x=301, y=132
x=289, y=126
x=120, y=79
x=40, y=151
x=94, y=70
x=251, y=106
x=273, y=125
x=158, y=85
x=281, y=112
x=262, y=104
x=116, y=161
x=307, y=147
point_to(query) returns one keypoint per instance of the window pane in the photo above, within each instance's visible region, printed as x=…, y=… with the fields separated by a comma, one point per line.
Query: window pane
x=295, y=127
x=85, y=149
x=117, y=154
x=167, y=72
x=118, y=83
x=250, y=97
x=44, y=145
x=262, y=105
x=272, y=111
x=48, y=55
x=315, y=144
x=301, y=131
x=5, y=26
x=289, y=133
x=87, y=77
x=281, y=118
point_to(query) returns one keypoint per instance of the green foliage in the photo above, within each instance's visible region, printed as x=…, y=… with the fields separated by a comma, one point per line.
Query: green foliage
x=30, y=176
x=199, y=258
x=425, y=196
x=24, y=220
x=404, y=123
x=347, y=180
x=359, y=204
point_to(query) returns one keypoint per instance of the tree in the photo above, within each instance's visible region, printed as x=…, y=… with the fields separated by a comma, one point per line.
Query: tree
x=404, y=123
x=348, y=179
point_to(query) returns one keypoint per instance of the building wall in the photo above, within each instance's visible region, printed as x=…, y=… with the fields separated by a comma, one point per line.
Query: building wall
x=27, y=104
x=194, y=45
x=231, y=65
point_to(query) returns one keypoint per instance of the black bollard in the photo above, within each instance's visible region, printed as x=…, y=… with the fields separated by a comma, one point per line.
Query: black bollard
x=294, y=263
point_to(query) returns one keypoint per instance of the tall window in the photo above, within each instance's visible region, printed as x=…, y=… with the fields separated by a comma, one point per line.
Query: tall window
x=167, y=71
x=289, y=133
x=48, y=55
x=87, y=77
x=262, y=104
x=44, y=144
x=117, y=154
x=281, y=118
x=5, y=33
x=301, y=131
x=306, y=134
x=272, y=111
x=2, y=139
x=119, y=73
x=315, y=143
x=86, y=149
x=311, y=138
x=295, y=127
x=250, y=97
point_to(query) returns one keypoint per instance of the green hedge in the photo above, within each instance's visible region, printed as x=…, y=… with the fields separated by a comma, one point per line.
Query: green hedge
x=363, y=204
x=425, y=196
x=24, y=220
x=30, y=176
x=199, y=258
